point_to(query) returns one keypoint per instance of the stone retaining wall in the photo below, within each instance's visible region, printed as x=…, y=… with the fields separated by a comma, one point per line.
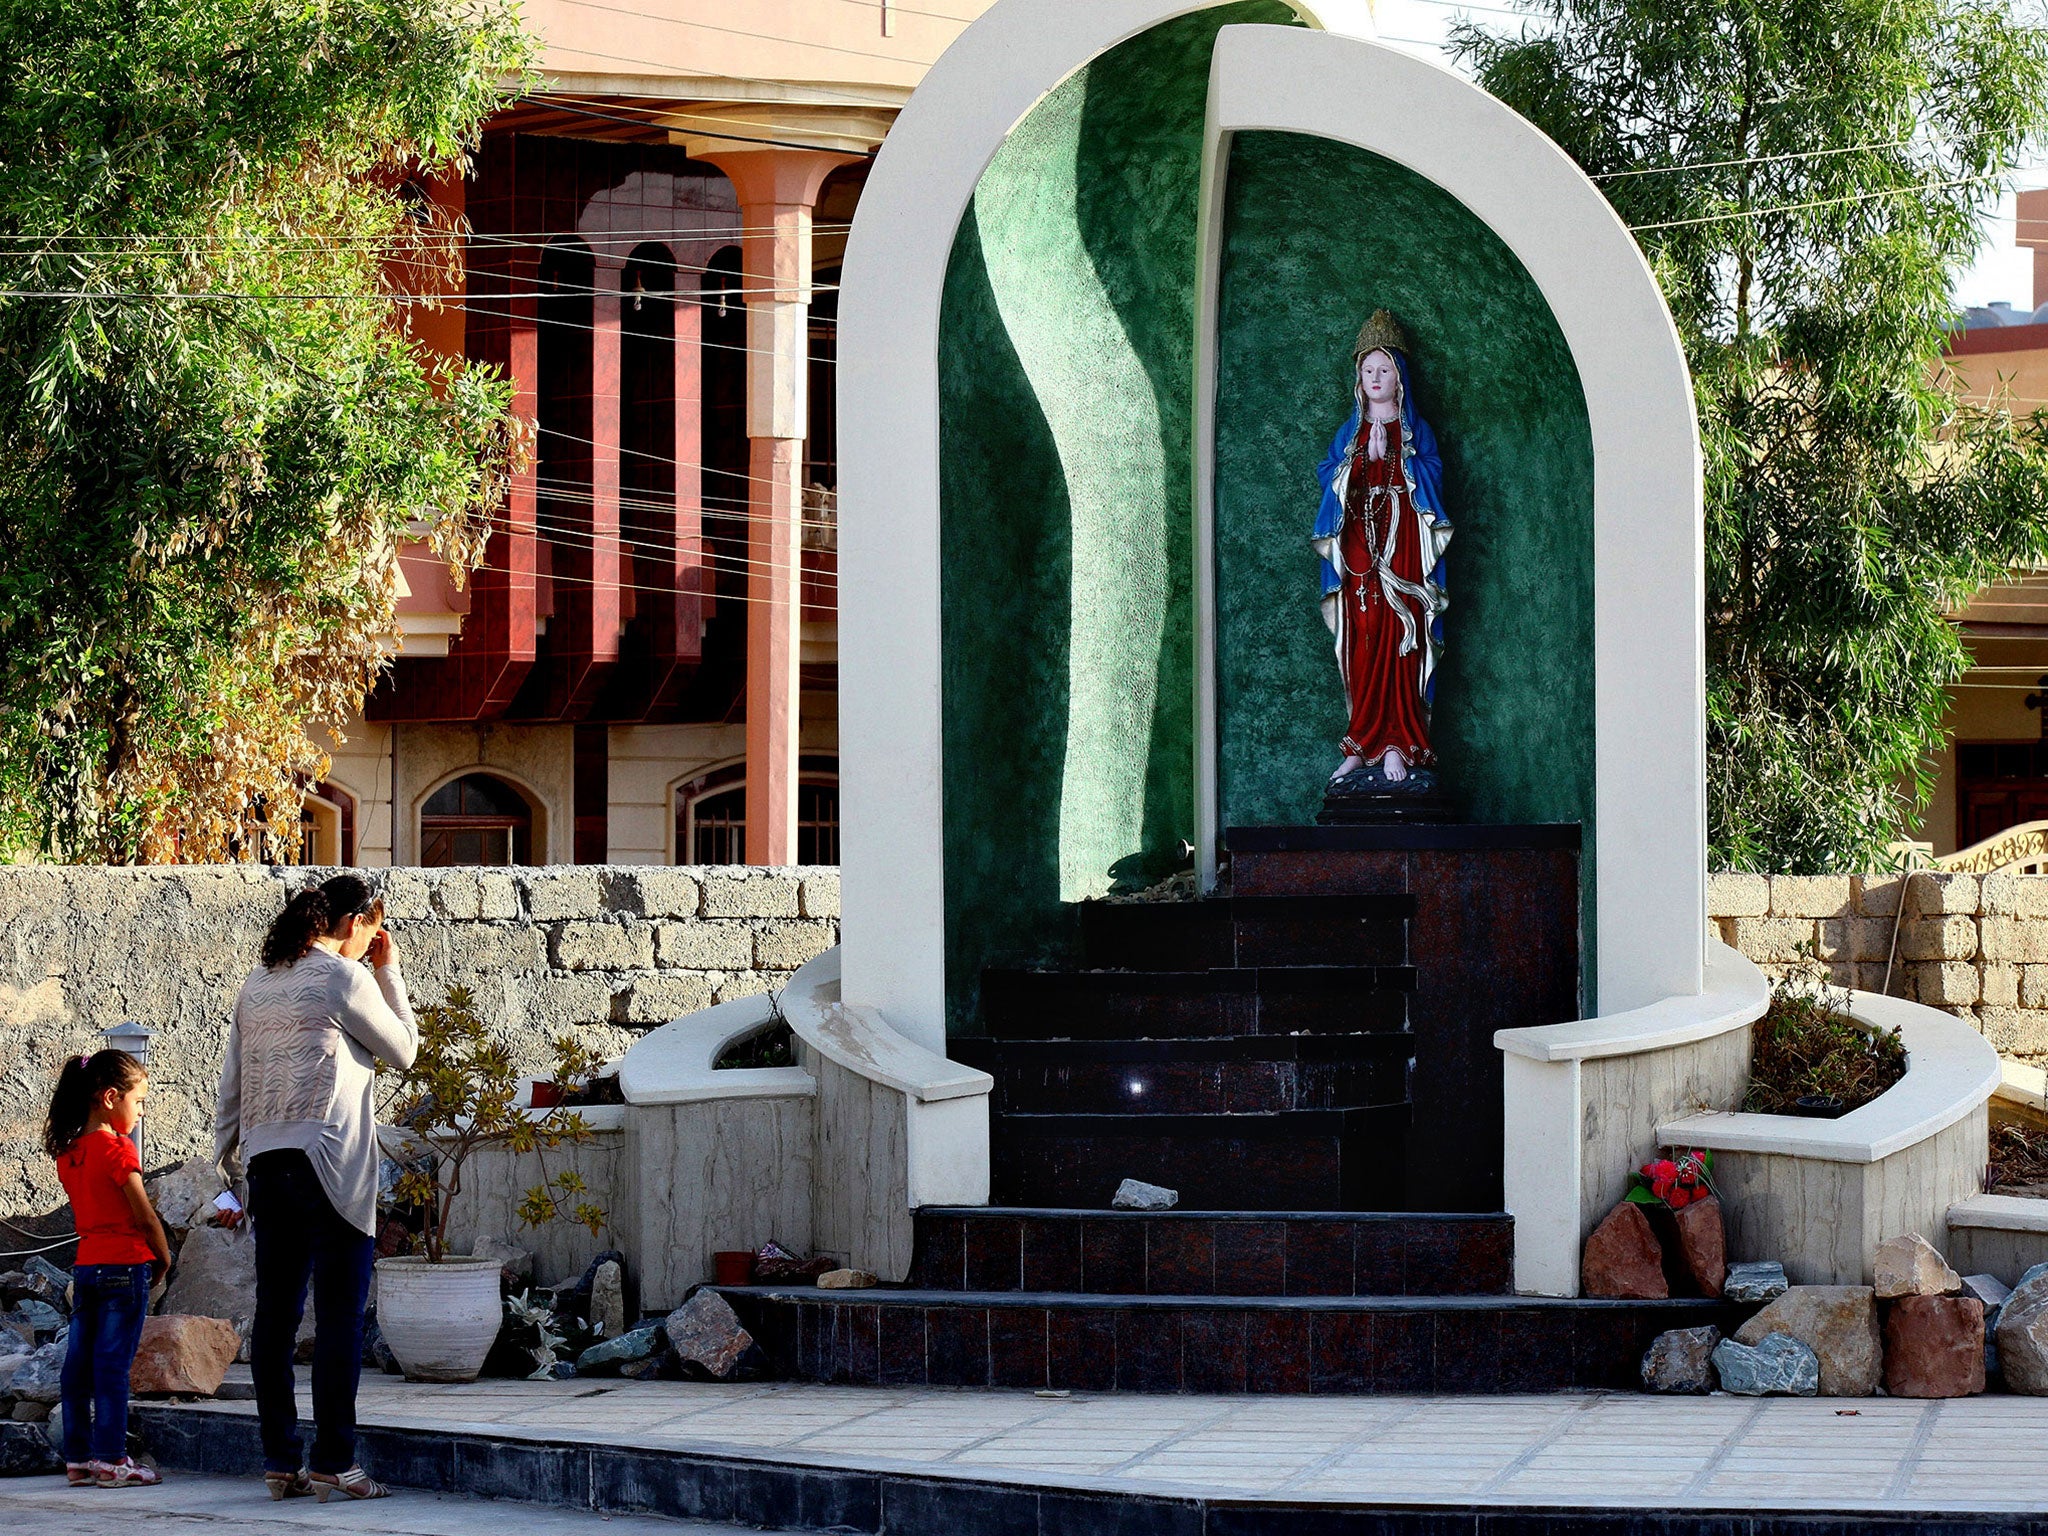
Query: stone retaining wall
x=1975, y=946
x=606, y=952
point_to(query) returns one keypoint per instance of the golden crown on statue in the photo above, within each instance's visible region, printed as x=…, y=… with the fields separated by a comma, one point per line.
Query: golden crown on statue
x=1380, y=332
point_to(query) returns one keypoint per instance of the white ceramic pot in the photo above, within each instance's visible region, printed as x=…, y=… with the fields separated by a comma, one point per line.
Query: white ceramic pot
x=439, y=1320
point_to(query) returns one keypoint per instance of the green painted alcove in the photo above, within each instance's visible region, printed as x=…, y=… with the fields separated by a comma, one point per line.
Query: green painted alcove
x=1066, y=402
x=1317, y=235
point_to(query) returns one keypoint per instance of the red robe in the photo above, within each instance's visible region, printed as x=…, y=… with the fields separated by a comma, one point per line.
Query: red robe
x=1387, y=708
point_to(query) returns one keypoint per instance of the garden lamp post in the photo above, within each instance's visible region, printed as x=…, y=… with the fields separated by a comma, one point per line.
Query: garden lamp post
x=132, y=1037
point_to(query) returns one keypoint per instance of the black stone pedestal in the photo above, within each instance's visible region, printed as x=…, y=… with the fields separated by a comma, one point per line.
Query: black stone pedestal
x=1493, y=940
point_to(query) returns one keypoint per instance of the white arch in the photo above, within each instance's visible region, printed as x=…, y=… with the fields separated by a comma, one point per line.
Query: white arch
x=1647, y=530
x=1649, y=581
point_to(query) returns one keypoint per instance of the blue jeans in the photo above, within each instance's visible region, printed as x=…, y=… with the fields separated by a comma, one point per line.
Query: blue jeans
x=299, y=1237
x=108, y=1304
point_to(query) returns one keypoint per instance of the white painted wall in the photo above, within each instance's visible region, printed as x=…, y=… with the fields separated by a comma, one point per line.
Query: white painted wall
x=1649, y=569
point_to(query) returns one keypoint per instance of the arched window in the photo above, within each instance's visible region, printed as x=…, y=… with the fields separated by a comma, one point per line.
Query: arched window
x=327, y=826
x=711, y=815
x=476, y=819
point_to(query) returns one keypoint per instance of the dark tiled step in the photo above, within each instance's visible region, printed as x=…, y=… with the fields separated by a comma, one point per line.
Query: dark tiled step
x=1227, y=1075
x=1161, y=1005
x=878, y=1495
x=1299, y=1160
x=1247, y=931
x=1054, y=1341
x=1221, y=1253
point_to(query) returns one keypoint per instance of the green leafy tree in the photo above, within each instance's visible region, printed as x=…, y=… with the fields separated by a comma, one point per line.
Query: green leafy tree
x=213, y=429
x=1805, y=177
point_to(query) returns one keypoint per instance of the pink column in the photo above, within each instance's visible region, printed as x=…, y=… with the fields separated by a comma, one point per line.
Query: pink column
x=778, y=188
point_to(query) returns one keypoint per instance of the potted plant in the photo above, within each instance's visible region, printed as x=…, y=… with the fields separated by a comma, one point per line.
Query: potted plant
x=440, y=1312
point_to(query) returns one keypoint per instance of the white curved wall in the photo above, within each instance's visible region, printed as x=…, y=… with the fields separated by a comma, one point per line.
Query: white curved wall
x=1647, y=541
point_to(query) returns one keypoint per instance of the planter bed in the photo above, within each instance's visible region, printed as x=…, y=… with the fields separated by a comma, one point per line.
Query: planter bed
x=1820, y=1195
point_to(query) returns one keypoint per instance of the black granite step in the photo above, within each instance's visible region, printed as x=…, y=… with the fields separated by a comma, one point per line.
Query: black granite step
x=1213, y=1253
x=1179, y=1005
x=1294, y=1160
x=1064, y=1341
x=1226, y=1075
x=1247, y=931
x=881, y=1495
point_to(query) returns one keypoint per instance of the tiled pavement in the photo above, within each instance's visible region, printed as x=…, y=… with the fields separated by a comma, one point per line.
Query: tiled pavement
x=1985, y=1454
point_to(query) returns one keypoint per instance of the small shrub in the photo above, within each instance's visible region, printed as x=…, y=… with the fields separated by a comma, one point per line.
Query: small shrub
x=771, y=1047
x=462, y=1093
x=2019, y=1160
x=1807, y=1046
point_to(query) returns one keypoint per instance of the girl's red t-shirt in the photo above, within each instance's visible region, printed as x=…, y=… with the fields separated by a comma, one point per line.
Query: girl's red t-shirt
x=93, y=1169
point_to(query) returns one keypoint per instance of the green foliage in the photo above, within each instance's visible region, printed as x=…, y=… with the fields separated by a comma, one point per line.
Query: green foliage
x=213, y=429
x=1807, y=1046
x=771, y=1046
x=1805, y=176
x=462, y=1093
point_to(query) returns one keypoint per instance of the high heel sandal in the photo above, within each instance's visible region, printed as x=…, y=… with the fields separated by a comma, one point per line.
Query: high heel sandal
x=288, y=1485
x=355, y=1483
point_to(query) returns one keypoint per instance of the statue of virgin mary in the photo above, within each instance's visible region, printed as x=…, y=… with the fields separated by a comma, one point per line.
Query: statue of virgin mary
x=1380, y=533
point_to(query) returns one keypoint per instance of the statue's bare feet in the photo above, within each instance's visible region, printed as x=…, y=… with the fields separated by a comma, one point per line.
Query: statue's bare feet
x=1351, y=764
x=1394, y=766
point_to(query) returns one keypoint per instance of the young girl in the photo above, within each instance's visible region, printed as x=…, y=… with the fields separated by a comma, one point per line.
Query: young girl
x=97, y=1103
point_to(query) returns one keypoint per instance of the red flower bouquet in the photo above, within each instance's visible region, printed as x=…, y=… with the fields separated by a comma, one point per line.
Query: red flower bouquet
x=1674, y=1182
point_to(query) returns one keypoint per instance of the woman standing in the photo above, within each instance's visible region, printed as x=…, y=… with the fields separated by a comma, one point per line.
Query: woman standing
x=310, y=1025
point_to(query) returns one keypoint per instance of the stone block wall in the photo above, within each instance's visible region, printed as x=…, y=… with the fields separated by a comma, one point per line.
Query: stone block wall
x=605, y=952
x=1975, y=946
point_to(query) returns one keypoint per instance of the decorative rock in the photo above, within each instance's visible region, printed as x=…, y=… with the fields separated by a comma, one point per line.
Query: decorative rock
x=2033, y=1274
x=52, y=1284
x=640, y=1344
x=1622, y=1258
x=9, y=1364
x=39, y=1380
x=1137, y=1195
x=1988, y=1289
x=215, y=1276
x=26, y=1412
x=705, y=1332
x=1703, y=1244
x=41, y=1316
x=1912, y=1266
x=2023, y=1335
x=1755, y=1283
x=608, y=1300
x=25, y=1451
x=183, y=1197
x=1838, y=1323
x=183, y=1354
x=1779, y=1366
x=515, y=1264
x=1934, y=1346
x=846, y=1280
x=1682, y=1360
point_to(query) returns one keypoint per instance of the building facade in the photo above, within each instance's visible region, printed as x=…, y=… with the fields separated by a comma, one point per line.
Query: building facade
x=644, y=669
x=1993, y=769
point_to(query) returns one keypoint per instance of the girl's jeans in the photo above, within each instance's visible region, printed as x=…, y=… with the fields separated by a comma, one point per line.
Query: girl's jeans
x=108, y=1304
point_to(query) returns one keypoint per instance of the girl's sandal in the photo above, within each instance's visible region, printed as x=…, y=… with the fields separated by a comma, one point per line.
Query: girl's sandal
x=355, y=1483
x=288, y=1485
x=125, y=1473
x=78, y=1474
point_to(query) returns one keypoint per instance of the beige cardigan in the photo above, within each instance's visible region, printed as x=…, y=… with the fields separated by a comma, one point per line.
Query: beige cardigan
x=301, y=1061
